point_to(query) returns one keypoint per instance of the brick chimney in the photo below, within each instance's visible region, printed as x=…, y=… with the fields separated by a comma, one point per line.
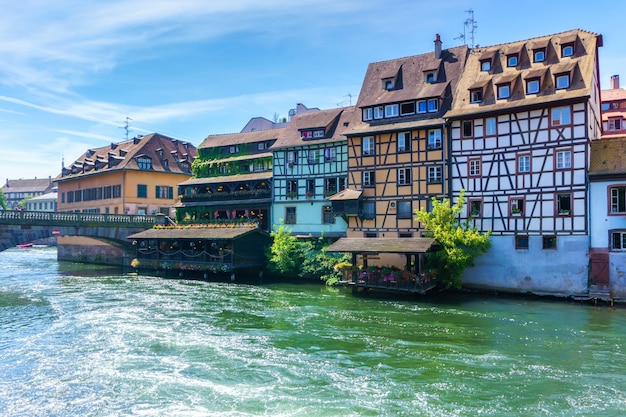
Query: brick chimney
x=614, y=82
x=437, y=46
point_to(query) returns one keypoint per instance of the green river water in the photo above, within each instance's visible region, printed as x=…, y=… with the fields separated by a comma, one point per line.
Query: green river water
x=85, y=341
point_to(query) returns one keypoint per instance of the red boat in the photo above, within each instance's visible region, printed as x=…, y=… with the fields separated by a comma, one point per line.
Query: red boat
x=24, y=245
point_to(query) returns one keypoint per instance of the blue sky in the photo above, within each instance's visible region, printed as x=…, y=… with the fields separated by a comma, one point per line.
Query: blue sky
x=72, y=71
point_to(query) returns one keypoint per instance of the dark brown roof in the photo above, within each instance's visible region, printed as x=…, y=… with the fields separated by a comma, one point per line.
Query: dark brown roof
x=218, y=233
x=382, y=245
x=213, y=141
x=166, y=155
x=608, y=156
x=334, y=121
x=412, y=84
x=582, y=66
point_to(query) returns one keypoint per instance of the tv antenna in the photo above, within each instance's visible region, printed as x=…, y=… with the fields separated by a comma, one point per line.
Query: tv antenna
x=126, y=126
x=471, y=25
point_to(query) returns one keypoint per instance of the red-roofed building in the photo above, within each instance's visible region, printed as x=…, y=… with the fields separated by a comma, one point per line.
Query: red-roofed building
x=613, y=109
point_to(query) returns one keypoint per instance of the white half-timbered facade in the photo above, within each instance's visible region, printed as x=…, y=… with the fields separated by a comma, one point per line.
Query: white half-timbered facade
x=521, y=125
x=310, y=165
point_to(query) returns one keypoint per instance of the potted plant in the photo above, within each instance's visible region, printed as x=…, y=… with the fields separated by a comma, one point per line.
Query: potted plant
x=515, y=211
x=563, y=212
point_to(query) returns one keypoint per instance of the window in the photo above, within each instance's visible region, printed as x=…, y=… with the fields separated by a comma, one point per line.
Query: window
x=475, y=208
x=476, y=96
x=260, y=146
x=618, y=200
x=404, y=176
x=429, y=77
x=313, y=157
x=562, y=81
x=368, y=145
x=292, y=157
x=434, y=138
x=549, y=242
x=327, y=215
x=391, y=110
x=564, y=204
x=330, y=154
x=164, y=192
x=233, y=149
x=404, y=209
x=615, y=124
x=143, y=162
x=307, y=134
x=561, y=116
x=378, y=112
x=618, y=240
x=504, y=91
x=563, y=159
x=567, y=50
x=330, y=186
x=368, y=210
x=292, y=188
x=606, y=106
x=142, y=191
x=523, y=164
x=369, y=179
x=290, y=215
x=485, y=65
x=421, y=106
x=532, y=86
x=310, y=188
x=521, y=242
x=491, y=126
x=433, y=105
x=516, y=206
x=404, y=142
x=539, y=55
x=474, y=167
x=467, y=129
x=435, y=175
x=511, y=61
x=388, y=84
x=370, y=234
x=319, y=133
x=407, y=108
x=368, y=114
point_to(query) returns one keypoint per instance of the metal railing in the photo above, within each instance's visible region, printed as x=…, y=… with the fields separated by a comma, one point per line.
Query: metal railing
x=41, y=218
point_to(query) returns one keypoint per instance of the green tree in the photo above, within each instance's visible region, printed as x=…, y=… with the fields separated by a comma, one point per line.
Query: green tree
x=3, y=200
x=302, y=258
x=461, y=243
x=23, y=201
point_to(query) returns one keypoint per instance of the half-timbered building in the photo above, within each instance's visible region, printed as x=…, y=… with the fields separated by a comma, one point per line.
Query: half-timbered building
x=311, y=164
x=521, y=125
x=232, y=180
x=397, y=150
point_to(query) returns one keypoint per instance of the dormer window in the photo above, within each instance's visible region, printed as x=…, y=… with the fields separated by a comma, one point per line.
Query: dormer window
x=391, y=110
x=233, y=149
x=511, y=60
x=388, y=84
x=307, y=134
x=561, y=81
x=378, y=112
x=539, y=55
x=368, y=114
x=159, y=152
x=319, y=133
x=476, y=96
x=407, y=108
x=532, y=86
x=433, y=105
x=485, y=65
x=504, y=91
x=143, y=162
x=567, y=50
x=429, y=77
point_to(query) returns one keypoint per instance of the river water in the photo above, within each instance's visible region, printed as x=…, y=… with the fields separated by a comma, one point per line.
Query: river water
x=85, y=341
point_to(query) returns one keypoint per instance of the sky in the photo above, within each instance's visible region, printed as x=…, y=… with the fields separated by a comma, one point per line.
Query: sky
x=75, y=73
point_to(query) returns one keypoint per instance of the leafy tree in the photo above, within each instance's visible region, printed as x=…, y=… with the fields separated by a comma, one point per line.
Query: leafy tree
x=22, y=203
x=3, y=200
x=302, y=258
x=461, y=243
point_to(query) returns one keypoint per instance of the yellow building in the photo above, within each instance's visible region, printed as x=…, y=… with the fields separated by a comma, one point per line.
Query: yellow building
x=138, y=176
x=397, y=152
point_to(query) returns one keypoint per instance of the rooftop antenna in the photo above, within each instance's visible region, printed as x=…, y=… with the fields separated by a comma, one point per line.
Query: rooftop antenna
x=126, y=126
x=472, y=24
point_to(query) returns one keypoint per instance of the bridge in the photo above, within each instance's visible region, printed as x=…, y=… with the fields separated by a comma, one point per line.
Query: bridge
x=17, y=227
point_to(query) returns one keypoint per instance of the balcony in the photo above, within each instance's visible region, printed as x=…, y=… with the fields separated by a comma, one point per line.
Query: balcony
x=242, y=195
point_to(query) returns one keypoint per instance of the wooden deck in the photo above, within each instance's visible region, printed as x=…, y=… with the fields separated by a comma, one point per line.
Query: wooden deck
x=421, y=285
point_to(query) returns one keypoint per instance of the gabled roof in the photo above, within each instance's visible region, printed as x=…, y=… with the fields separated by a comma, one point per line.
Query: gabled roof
x=166, y=155
x=334, y=122
x=216, y=233
x=30, y=185
x=608, y=157
x=412, y=84
x=213, y=141
x=581, y=67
